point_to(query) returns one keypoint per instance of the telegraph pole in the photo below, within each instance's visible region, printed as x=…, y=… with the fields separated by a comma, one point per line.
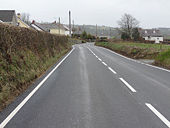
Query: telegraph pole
x=83, y=28
x=96, y=30
x=70, y=23
x=59, y=25
x=73, y=27
x=110, y=32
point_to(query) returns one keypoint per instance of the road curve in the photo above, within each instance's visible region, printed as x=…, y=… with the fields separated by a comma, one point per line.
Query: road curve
x=95, y=88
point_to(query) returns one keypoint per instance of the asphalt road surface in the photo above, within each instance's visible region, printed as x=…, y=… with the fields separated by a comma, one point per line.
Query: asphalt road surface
x=93, y=87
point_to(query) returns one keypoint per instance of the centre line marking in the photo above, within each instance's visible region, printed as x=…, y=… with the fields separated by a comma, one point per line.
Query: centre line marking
x=158, y=114
x=128, y=85
x=112, y=70
x=12, y=114
x=104, y=63
x=99, y=59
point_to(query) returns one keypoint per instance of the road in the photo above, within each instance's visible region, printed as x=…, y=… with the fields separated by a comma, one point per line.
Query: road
x=94, y=88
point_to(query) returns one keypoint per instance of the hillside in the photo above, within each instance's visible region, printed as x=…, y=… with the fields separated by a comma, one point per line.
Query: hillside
x=101, y=30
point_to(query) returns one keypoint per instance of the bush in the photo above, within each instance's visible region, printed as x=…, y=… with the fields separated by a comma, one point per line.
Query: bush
x=24, y=55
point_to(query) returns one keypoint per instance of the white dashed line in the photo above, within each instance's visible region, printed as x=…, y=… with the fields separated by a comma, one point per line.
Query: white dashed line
x=99, y=59
x=112, y=70
x=158, y=114
x=128, y=85
x=104, y=63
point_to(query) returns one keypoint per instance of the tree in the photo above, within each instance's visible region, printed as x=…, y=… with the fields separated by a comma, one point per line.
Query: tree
x=84, y=35
x=125, y=36
x=136, y=34
x=127, y=23
x=25, y=17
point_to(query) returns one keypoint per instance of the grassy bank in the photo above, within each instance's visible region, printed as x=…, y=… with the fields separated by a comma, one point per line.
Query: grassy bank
x=163, y=59
x=24, y=55
x=141, y=51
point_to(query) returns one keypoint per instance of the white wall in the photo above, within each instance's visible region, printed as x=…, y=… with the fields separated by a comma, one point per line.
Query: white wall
x=67, y=33
x=156, y=39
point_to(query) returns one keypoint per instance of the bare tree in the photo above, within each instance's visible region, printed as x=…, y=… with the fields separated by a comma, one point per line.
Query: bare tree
x=127, y=23
x=25, y=17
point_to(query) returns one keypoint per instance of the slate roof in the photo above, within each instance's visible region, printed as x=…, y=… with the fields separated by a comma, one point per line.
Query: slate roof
x=150, y=32
x=47, y=26
x=7, y=15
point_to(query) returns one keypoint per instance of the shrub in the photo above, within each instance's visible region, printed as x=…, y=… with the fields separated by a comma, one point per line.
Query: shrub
x=24, y=55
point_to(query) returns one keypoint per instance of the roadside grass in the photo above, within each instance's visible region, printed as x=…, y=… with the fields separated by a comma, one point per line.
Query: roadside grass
x=159, y=53
x=119, y=45
x=163, y=59
x=20, y=74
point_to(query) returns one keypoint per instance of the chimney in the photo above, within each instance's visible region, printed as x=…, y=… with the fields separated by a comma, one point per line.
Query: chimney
x=33, y=22
x=19, y=15
x=54, y=22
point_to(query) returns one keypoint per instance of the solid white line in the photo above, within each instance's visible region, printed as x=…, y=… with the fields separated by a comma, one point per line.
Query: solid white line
x=128, y=85
x=135, y=60
x=12, y=114
x=112, y=70
x=104, y=63
x=158, y=114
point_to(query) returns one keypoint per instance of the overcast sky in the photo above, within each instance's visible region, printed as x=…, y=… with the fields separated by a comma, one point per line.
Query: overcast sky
x=150, y=13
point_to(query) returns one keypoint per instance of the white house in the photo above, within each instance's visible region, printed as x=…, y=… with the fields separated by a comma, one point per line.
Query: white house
x=151, y=35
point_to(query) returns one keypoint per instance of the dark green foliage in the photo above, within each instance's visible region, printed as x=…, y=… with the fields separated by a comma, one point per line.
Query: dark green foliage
x=84, y=35
x=136, y=34
x=125, y=36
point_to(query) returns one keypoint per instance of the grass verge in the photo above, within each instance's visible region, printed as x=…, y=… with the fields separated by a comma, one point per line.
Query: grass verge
x=161, y=54
x=22, y=73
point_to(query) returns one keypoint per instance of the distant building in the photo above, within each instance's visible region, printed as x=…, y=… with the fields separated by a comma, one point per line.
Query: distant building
x=151, y=35
x=9, y=17
x=20, y=22
x=53, y=28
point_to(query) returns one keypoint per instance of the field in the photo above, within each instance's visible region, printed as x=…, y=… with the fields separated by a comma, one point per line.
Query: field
x=133, y=44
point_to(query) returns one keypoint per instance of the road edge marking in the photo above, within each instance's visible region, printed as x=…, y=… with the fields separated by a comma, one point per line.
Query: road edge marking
x=158, y=114
x=128, y=85
x=14, y=112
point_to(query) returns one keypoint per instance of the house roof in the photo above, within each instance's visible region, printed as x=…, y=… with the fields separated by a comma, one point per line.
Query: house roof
x=150, y=32
x=48, y=26
x=7, y=15
x=23, y=22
